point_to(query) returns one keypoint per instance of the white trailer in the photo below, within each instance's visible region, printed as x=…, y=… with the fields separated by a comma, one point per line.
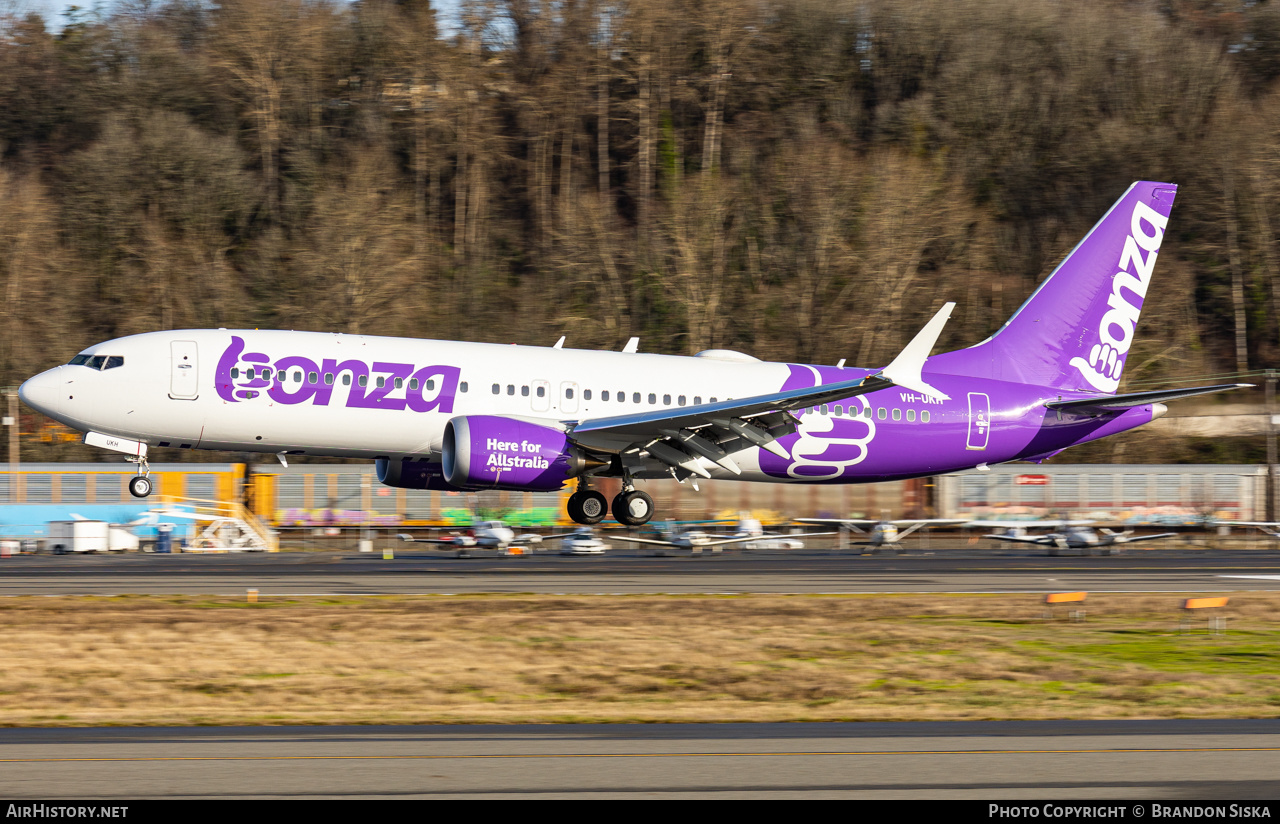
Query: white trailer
x=78, y=536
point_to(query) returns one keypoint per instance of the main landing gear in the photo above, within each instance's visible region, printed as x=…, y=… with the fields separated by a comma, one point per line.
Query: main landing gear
x=141, y=485
x=631, y=507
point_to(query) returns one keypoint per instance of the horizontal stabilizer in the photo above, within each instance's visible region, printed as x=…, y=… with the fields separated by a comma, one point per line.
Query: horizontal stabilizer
x=1117, y=403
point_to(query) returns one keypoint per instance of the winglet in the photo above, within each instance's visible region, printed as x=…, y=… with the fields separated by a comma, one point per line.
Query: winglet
x=905, y=369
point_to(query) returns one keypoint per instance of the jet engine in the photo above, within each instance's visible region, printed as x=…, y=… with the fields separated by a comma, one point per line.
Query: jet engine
x=496, y=452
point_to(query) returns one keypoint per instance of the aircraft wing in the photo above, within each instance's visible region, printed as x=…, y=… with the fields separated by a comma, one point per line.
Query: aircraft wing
x=1130, y=539
x=1023, y=539
x=1024, y=524
x=1116, y=403
x=679, y=437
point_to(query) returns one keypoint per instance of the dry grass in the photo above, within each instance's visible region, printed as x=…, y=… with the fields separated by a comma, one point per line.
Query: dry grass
x=431, y=659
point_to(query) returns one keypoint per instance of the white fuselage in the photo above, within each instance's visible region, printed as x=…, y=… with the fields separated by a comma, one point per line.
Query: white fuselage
x=167, y=393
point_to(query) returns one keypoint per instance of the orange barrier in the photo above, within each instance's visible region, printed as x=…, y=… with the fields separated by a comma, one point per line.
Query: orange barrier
x=1204, y=603
x=1065, y=597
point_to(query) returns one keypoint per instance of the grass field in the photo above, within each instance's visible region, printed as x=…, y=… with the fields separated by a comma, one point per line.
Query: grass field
x=534, y=658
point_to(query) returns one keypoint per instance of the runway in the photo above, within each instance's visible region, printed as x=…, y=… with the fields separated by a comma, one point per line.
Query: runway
x=937, y=569
x=1075, y=760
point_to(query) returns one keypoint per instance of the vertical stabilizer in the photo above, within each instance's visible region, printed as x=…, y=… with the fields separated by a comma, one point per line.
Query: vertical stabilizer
x=1076, y=329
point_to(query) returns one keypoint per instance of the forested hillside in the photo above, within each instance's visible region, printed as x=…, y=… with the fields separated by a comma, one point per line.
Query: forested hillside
x=799, y=179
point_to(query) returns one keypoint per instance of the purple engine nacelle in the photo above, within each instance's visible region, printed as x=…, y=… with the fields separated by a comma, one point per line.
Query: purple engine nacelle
x=493, y=452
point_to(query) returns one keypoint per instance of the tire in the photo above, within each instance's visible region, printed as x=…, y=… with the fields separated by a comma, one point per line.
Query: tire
x=587, y=508
x=633, y=508
x=140, y=486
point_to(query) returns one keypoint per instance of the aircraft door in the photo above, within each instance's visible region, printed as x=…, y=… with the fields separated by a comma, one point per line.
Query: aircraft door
x=569, y=396
x=184, y=371
x=979, y=420
x=541, y=399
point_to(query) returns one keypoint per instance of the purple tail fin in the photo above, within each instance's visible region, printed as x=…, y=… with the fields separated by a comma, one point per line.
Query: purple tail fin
x=1075, y=330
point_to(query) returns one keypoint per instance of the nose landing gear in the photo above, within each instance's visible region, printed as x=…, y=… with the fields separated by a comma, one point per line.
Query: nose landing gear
x=141, y=485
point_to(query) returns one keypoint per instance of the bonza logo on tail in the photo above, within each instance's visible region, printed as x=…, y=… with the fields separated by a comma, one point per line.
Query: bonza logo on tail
x=1106, y=359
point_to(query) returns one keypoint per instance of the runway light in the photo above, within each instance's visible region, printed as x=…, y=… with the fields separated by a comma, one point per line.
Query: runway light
x=253, y=595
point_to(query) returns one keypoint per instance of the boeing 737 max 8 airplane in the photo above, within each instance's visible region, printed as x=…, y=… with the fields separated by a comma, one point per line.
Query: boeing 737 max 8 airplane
x=467, y=416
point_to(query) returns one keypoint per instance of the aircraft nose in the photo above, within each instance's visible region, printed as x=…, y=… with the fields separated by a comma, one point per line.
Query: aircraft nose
x=41, y=392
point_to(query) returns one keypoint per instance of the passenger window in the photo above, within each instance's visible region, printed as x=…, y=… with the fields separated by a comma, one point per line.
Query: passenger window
x=604, y=396
x=866, y=413
x=382, y=381
x=328, y=378
x=399, y=383
x=346, y=378
x=635, y=397
x=235, y=373
x=430, y=384
x=825, y=409
x=462, y=387
x=897, y=414
x=114, y=361
x=839, y=411
x=713, y=400
x=697, y=400
x=568, y=393
x=312, y=377
x=911, y=416
x=680, y=400
x=622, y=397
x=511, y=389
x=924, y=416
x=497, y=389
x=882, y=413
x=413, y=384
x=586, y=394
x=364, y=380
x=282, y=376
x=666, y=400
x=524, y=391
x=542, y=391
x=653, y=398
x=297, y=376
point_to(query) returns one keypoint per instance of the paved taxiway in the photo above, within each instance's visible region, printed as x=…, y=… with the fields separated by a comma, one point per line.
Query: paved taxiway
x=807, y=571
x=1075, y=760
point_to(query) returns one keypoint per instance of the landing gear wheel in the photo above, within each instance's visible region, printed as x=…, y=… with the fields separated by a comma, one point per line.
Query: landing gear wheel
x=633, y=508
x=140, y=486
x=587, y=507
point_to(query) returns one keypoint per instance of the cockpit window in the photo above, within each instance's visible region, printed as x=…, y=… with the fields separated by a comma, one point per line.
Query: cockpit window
x=99, y=362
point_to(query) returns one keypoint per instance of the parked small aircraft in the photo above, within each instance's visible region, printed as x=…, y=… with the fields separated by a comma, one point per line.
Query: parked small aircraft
x=697, y=540
x=1080, y=537
x=881, y=532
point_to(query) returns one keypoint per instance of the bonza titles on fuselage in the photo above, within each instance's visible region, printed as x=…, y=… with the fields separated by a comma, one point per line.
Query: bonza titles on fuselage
x=462, y=416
